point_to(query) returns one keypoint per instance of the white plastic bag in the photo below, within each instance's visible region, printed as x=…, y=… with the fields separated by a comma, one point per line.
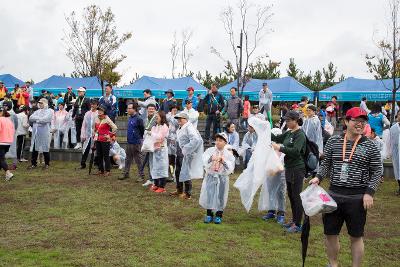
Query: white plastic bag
x=148, y=143
x=316, y=200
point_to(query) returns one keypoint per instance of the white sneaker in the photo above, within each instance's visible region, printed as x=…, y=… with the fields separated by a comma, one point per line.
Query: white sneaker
x=78, y=146
x=23, y=160
x=147, y=183
x=9, y=175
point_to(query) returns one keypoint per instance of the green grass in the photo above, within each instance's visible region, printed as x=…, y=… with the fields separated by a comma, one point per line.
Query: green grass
x=64, y=217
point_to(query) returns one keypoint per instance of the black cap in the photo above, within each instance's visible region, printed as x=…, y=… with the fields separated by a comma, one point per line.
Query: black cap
x=94, y=101
x=187, y=101
x=7, y=104
x=147, y=91
x=264, y=84
x=303, y=98
x=292, y=115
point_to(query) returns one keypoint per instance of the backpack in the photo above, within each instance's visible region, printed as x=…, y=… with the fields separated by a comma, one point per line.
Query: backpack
x=311, y=156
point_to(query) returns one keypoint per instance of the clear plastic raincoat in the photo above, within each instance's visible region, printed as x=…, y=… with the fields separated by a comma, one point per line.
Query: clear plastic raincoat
x=71, y=126
x=394, y=149
x=215, y=187
x=171, y=139
x=59, y=127
x=313, y=130
x=191, y=144
x=263, y=163
x=158, y=160
x=87, y=128
x=41, y=120
x=12, y=151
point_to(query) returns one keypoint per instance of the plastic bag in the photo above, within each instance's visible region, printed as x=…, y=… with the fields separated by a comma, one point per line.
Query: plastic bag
x=148, y=143
x=316, y=200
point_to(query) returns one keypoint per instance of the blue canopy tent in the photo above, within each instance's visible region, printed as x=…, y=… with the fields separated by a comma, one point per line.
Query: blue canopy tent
x=353, y=89
x=158, y=86
x=58, y=84
x=283, y=89
x=10, y=81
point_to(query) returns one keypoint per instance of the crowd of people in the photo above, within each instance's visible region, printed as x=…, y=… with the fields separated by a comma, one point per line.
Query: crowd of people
x=350, y=144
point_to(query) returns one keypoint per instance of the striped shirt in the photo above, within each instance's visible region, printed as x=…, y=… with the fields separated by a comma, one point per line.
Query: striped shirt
x=365, y=169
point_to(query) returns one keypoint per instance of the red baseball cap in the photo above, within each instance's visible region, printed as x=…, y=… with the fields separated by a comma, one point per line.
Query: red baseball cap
x=356, y=112
x=190, y=89
x=295, y=106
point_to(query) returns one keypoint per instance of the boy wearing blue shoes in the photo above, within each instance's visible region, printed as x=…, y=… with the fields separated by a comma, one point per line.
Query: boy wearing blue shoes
x=219, y=163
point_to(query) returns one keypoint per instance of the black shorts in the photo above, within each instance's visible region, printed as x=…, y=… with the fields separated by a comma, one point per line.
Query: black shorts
x=351, y=211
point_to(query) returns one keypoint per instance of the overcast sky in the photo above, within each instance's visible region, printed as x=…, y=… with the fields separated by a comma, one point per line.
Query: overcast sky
x=311, y=31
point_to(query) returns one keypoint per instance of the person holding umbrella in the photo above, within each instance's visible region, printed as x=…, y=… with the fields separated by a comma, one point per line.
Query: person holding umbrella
x=104, y=129
x=353, y=165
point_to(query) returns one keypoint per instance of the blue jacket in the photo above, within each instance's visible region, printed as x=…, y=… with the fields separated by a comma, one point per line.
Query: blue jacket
x=135, y=130
x=111, y=105
x=194, y=102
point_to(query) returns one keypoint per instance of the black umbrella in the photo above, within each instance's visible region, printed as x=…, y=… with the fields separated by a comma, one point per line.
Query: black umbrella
x=91, y=159
x=305, y=233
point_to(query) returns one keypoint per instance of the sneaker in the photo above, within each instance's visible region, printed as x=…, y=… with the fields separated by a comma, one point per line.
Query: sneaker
x=147, y=183
x=107, y=174
x=175, y=193
x=125, y=176
x=217, y=220
x=287, y=225
x=269, y=216
x=294, y=229
x=45, y=167
x=23, y=160
x=9, y=175
x=31, y=167
x=280, y=219
x=185, y=196
x=153, y=188
x=208, y=219
x=160, y=190
x=78, y=146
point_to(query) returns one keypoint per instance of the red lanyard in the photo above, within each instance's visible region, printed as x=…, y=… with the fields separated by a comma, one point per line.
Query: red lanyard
x=352, y=149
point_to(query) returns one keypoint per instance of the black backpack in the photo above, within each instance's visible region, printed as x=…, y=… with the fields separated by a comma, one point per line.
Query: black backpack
x=311, y=156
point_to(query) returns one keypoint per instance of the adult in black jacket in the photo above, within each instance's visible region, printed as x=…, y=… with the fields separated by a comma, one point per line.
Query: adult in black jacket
x=169, y=101
x=82, y=105
x=215, y=103
x=68, y=97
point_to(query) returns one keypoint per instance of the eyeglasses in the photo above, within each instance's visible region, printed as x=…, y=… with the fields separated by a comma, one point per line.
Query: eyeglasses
x=363, y=122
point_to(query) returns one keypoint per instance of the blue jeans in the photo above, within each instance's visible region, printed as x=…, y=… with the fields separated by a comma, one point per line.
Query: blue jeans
x=247, y=157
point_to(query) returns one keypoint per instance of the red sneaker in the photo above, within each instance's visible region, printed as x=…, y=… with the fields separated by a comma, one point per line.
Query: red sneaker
x=160, y=190
x=153, y=188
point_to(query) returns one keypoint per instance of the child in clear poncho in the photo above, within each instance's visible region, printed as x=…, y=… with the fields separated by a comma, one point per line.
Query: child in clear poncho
x=219, y=163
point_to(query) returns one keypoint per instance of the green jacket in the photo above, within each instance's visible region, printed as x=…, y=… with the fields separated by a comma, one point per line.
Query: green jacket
x=294, y=148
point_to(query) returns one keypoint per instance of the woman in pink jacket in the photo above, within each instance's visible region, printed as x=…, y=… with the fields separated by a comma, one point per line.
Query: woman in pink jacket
x=6, y=138
x=159, y=158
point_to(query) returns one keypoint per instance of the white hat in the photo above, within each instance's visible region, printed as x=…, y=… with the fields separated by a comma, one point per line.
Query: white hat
x=81, y=89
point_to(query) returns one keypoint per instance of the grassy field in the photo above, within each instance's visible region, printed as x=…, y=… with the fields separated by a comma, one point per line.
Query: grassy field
x=64, y=217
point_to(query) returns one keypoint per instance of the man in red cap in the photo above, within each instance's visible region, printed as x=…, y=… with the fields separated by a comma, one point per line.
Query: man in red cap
x=353, y=165
x=190, y=97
